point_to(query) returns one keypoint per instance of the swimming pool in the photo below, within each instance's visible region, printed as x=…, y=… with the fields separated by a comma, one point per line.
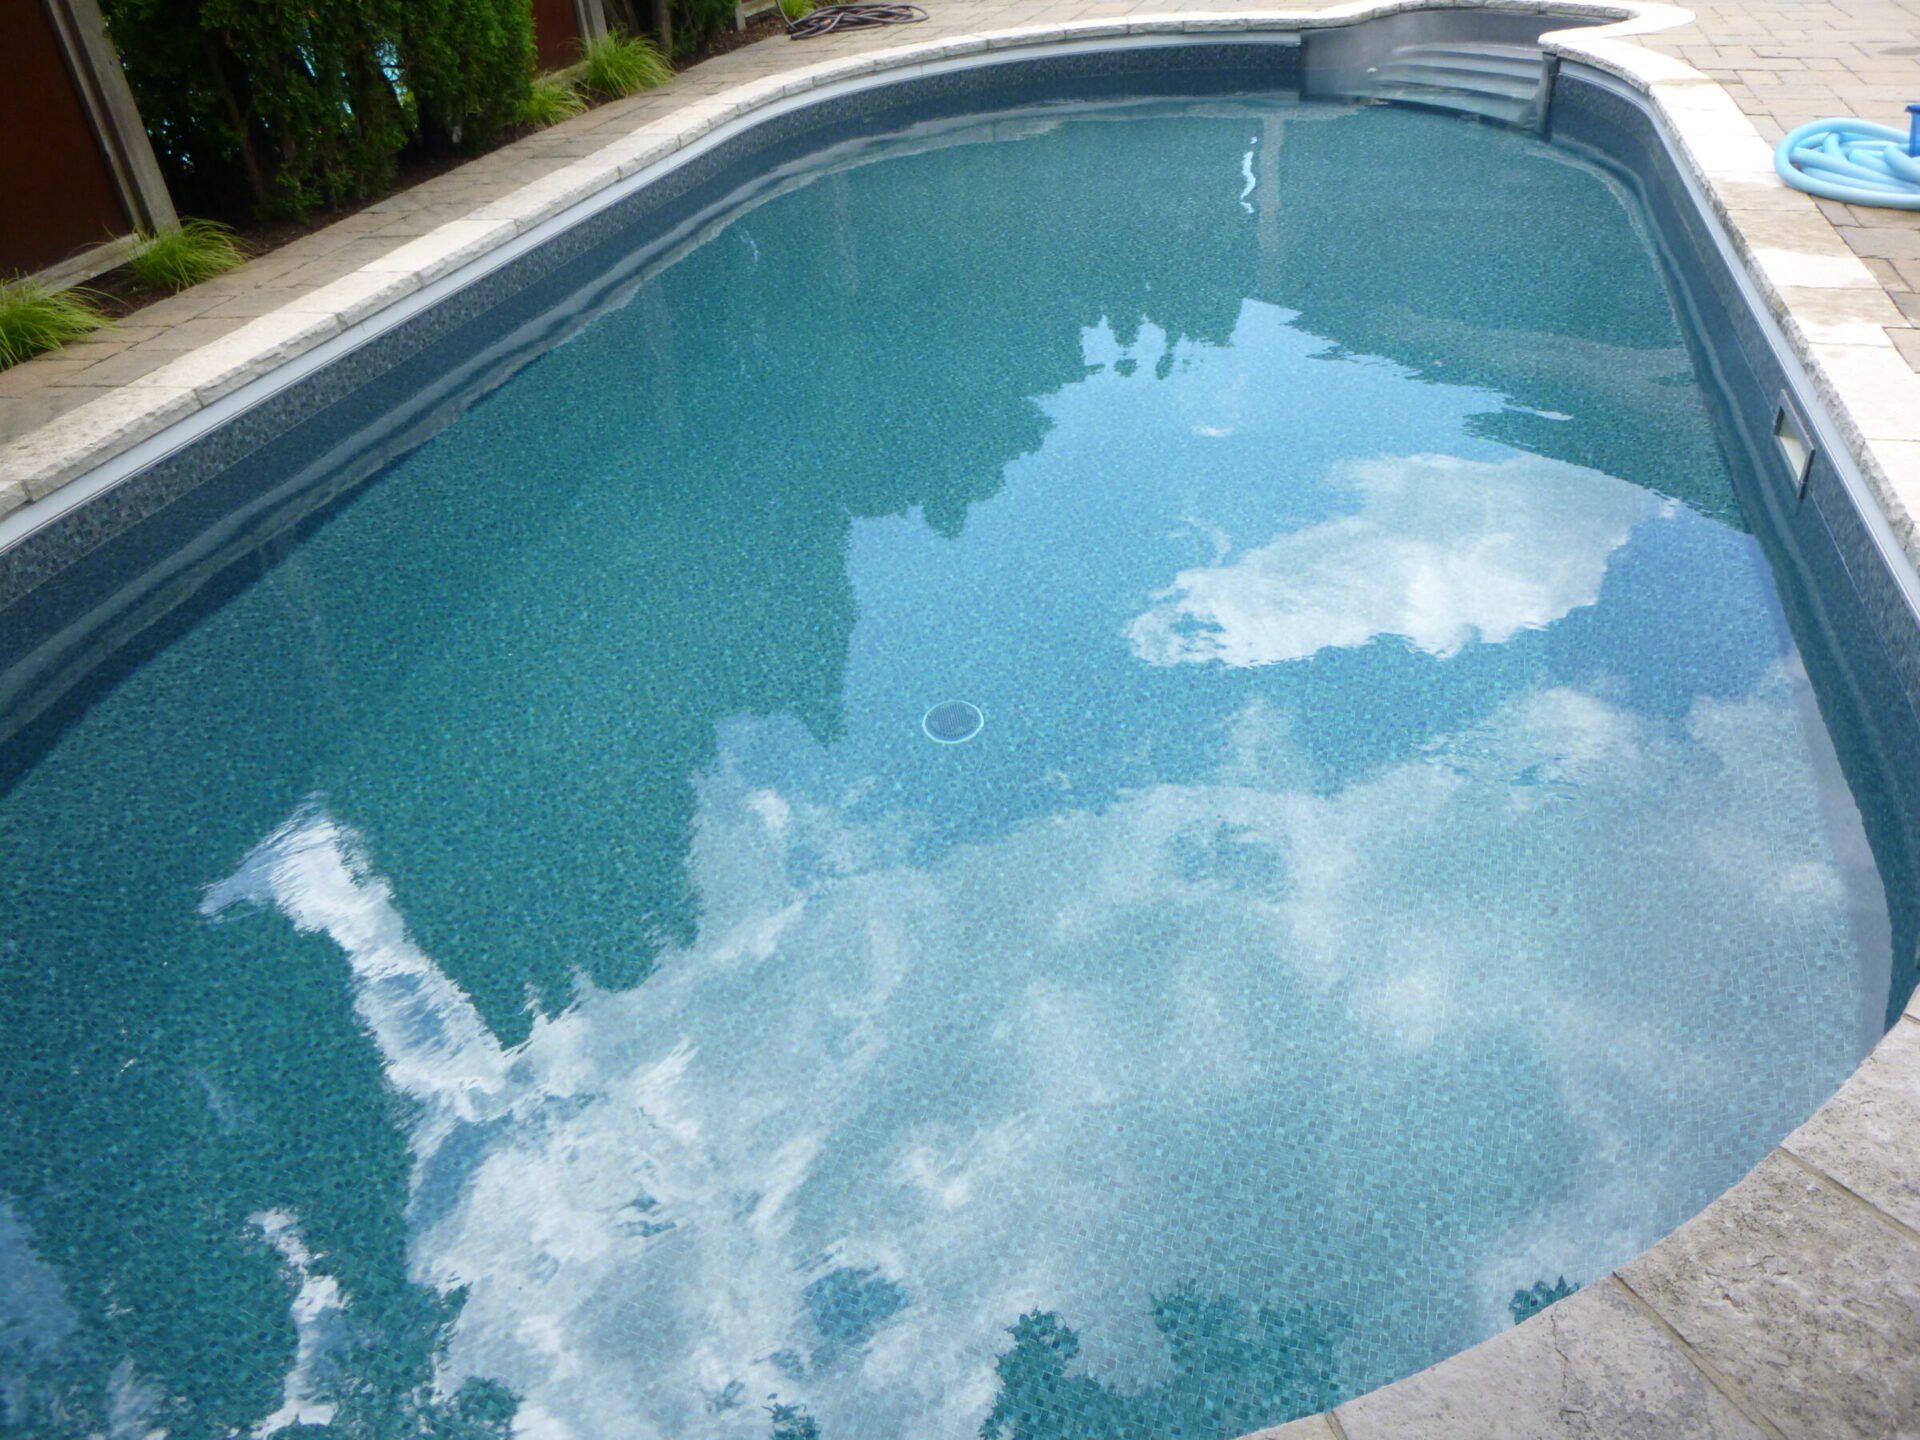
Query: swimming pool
x=536, y=942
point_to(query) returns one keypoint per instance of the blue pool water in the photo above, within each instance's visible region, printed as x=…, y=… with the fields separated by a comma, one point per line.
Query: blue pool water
x=525, y=960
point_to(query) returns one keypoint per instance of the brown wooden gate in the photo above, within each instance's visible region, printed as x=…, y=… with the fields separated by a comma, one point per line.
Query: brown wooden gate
x=76, y=170
x=562, y=27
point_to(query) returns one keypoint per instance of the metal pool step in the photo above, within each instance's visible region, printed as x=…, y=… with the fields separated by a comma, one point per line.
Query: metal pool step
x=1498, y=80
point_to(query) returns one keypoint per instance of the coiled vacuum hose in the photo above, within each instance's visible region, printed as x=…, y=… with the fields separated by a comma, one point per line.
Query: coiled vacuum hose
x=1855, y=161
x=829, y=18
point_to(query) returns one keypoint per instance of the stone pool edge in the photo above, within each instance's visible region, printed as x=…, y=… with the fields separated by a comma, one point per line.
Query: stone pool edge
x=1789, y=1307
x=1791, y=1304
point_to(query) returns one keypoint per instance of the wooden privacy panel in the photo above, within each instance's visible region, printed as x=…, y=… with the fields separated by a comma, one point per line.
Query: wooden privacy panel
x=556, y=33
x=57, y=190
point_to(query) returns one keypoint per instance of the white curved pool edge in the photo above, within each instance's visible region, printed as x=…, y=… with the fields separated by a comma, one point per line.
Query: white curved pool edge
x=1791, y=1305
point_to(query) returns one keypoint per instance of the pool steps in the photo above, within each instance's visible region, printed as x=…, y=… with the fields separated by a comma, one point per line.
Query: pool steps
x=1504, y=82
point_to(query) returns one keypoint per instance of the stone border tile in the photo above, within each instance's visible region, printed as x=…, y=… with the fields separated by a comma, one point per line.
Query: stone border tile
x=446, y=248
x=1879, y=394
x=1311, y=1427
x=1840, y=315
x=355, y=297
x=1865, y=1137
x=1789, y=1279
x=68, y=447
x=257, y=347
x=1900, y=472
x=1593, y=1364
x=1793, y=256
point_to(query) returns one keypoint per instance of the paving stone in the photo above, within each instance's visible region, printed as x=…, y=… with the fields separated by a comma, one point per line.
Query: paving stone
x=1864, y=1137
x=172, y=310
x=1311, y=1427
x=1884, y=274
x=336, y=237
x=71, y=397
x=190, y=334
x=1906, y=340
x=261, y=270
x=1885, y=241
x=24, y=412
x=1806, y=1300
x=97, y=346
x=129, y=331
x=1842, y=316
x=426, y=217
x=56, y=453
x=1592, y=1365
x=1880, y=401
x=325, y=269
x=117, y=369
x=42, y=371
x=255, y=303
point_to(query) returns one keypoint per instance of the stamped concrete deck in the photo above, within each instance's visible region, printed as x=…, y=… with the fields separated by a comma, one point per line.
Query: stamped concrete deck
x=1791, y=1305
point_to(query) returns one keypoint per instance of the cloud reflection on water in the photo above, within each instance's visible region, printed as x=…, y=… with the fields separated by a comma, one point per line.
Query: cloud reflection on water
x=1216, y=1032
x=1441, y=550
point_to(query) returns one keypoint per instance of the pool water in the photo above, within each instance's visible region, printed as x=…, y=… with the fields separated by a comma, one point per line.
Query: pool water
x=1076, y=781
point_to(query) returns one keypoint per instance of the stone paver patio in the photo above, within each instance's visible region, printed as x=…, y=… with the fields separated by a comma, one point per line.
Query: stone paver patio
x=1791, y=1306
x=1786, y=63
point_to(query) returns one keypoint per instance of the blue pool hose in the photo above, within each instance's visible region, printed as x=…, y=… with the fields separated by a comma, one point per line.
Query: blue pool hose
x=1855, y=161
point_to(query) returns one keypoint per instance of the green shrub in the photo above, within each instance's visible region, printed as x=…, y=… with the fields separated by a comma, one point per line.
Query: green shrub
x=697, y=21
x=617, y=65
x=193, y=251
x=34, y=318
x=467, y=64
x=552, y=99
x=794, y=9
x=287, y=103
x=278, y=107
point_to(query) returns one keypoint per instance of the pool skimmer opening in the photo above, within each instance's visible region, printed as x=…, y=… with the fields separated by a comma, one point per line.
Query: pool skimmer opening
x=953, y=722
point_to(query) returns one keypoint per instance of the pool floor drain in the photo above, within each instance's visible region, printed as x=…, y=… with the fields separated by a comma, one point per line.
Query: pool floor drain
x=953, y=722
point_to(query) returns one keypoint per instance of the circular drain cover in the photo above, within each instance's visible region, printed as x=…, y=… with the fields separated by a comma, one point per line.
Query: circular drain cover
x=952, y=722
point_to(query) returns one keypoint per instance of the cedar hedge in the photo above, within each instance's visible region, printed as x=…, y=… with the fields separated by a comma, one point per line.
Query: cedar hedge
x=273, y=108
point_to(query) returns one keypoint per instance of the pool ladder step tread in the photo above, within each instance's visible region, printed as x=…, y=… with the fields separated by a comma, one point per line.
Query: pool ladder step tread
x=1501, y=82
